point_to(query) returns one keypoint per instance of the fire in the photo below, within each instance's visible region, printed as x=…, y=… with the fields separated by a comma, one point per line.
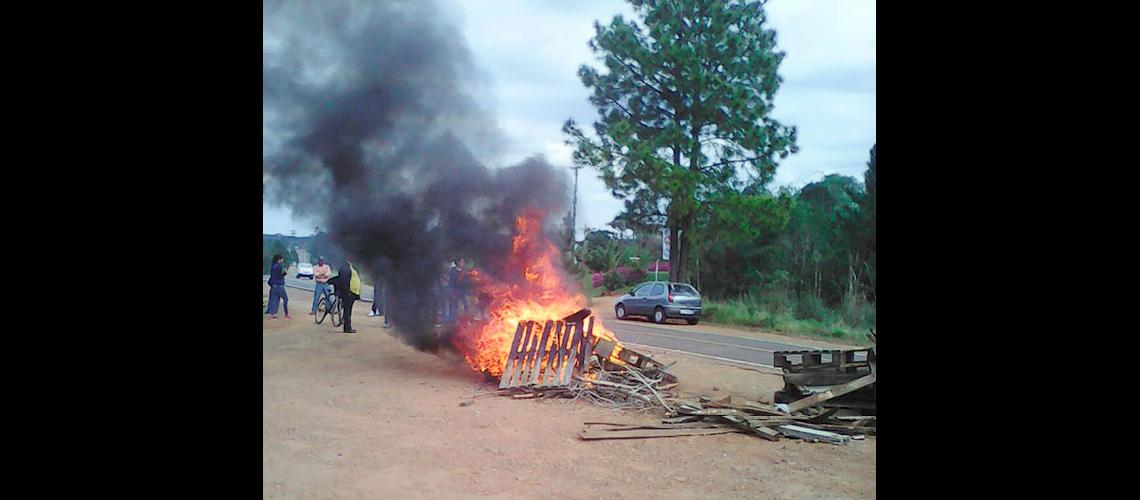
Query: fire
x=539, y=295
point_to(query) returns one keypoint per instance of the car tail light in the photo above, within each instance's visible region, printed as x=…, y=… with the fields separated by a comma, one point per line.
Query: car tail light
x=670, y=297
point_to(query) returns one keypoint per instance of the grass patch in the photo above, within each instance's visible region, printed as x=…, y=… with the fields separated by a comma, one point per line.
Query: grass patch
x=809, y=318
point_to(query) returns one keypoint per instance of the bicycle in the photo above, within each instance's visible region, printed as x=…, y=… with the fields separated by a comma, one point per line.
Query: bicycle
x=329, y=304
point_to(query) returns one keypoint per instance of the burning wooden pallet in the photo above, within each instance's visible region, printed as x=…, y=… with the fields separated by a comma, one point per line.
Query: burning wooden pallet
x=551, y=358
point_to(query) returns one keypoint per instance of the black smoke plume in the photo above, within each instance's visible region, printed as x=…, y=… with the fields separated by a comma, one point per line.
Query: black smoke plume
x=371, y=113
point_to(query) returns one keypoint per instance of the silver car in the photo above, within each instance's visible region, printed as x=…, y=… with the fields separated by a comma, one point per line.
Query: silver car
x=659, y=300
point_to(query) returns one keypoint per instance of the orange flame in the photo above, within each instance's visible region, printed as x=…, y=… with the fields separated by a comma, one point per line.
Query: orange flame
x=540, y=295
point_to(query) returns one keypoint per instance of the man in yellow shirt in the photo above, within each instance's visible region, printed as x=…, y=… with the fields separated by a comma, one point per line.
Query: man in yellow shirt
x=348, y=274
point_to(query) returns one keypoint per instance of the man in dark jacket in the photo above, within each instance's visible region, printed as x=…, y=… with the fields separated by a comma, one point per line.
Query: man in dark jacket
x=456, y=289
x=349, y=290
x=277, y=287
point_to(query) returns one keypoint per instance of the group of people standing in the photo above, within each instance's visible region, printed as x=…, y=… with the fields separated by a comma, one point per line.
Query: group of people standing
x=454, y=290
x=346, y=284
x=456, y=287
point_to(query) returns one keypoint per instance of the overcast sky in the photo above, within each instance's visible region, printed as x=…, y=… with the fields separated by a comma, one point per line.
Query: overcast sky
x=530, y=51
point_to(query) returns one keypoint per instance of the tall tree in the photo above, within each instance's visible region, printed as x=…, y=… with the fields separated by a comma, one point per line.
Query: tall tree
x=685, y=107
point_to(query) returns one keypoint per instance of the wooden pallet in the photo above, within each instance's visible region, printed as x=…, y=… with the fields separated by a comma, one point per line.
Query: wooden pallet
x=548, y=355
x=842, y=360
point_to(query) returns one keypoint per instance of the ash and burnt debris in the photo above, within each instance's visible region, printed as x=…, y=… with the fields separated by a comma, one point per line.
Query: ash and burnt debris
x=372, y=122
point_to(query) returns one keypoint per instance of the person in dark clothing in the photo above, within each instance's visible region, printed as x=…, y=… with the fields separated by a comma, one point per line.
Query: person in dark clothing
x=387, y=305
x=377, y=292
x=456, y=285
x=277, y=288
x=350, y=285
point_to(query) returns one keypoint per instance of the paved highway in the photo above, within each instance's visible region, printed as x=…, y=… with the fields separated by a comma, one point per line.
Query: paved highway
x=700, y=340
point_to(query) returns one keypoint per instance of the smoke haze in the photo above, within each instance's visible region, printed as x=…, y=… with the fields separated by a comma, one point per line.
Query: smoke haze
x=371, y=116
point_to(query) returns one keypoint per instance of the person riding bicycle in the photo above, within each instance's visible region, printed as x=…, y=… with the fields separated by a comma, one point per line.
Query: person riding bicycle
x=321, y=273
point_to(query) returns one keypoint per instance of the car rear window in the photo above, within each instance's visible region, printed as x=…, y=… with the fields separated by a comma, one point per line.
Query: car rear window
x=683, y=290
x=657, y=290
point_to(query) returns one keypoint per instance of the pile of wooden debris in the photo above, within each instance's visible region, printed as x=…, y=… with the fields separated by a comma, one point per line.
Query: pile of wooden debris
x=828, y=395
x=625, y=381
x=706, y=417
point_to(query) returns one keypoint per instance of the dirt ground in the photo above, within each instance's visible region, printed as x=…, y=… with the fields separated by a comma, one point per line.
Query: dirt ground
x=366, y=416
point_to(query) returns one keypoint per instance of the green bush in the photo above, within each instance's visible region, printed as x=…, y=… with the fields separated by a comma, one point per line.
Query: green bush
x=811, y=307
x=778, y=314
x=612, y=281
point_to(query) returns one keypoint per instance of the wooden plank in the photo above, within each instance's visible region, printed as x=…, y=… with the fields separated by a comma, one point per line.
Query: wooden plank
x=720, y=412
x=569, y=356
x=775, y=420
x=858, y=418
x=530, y=341
x=572, y=355
x=848, y=430
x=748, y=407
x=545, y=359
x=586, y=346
x=536, y=355
x=834, y=392
x=766, y=433
x=611, y=427
x=559, y=351
x=604, y=348
x=558, y=354
x=652, y=433
x=511, y=374
x=681, y=420
x=808, y=433
x=811, y=358
x=512, y=359
x=824, y=377
x=751, y=427
x=531, y=354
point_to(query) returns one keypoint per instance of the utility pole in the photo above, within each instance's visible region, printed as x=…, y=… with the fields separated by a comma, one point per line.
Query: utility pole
x=574, y=208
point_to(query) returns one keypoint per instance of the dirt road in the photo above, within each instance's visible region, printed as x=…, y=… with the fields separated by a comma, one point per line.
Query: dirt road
x=365, y=416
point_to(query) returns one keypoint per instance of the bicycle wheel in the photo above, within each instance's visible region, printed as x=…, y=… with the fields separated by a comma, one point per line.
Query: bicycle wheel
x=337, y=314
x=322, y=310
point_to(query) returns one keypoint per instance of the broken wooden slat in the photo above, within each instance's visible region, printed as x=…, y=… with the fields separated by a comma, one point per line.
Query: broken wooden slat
x=517, y=377
x=512, y=360
x=720, y=412
x=652, y=433
x=552, y=356
x=620, y=427
x=834, y=392
x=748, y=406
x=848, y=430
x=555, y=355
x=825, y=377
x=534, y=376
x=528, y=366
x=856, y=418
x=604, y=348
x=508, y=377
x=808, y=433
x=751, y=427
x=680, y=420
x=766, y=433
x=585, y=346
x=571, y=359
